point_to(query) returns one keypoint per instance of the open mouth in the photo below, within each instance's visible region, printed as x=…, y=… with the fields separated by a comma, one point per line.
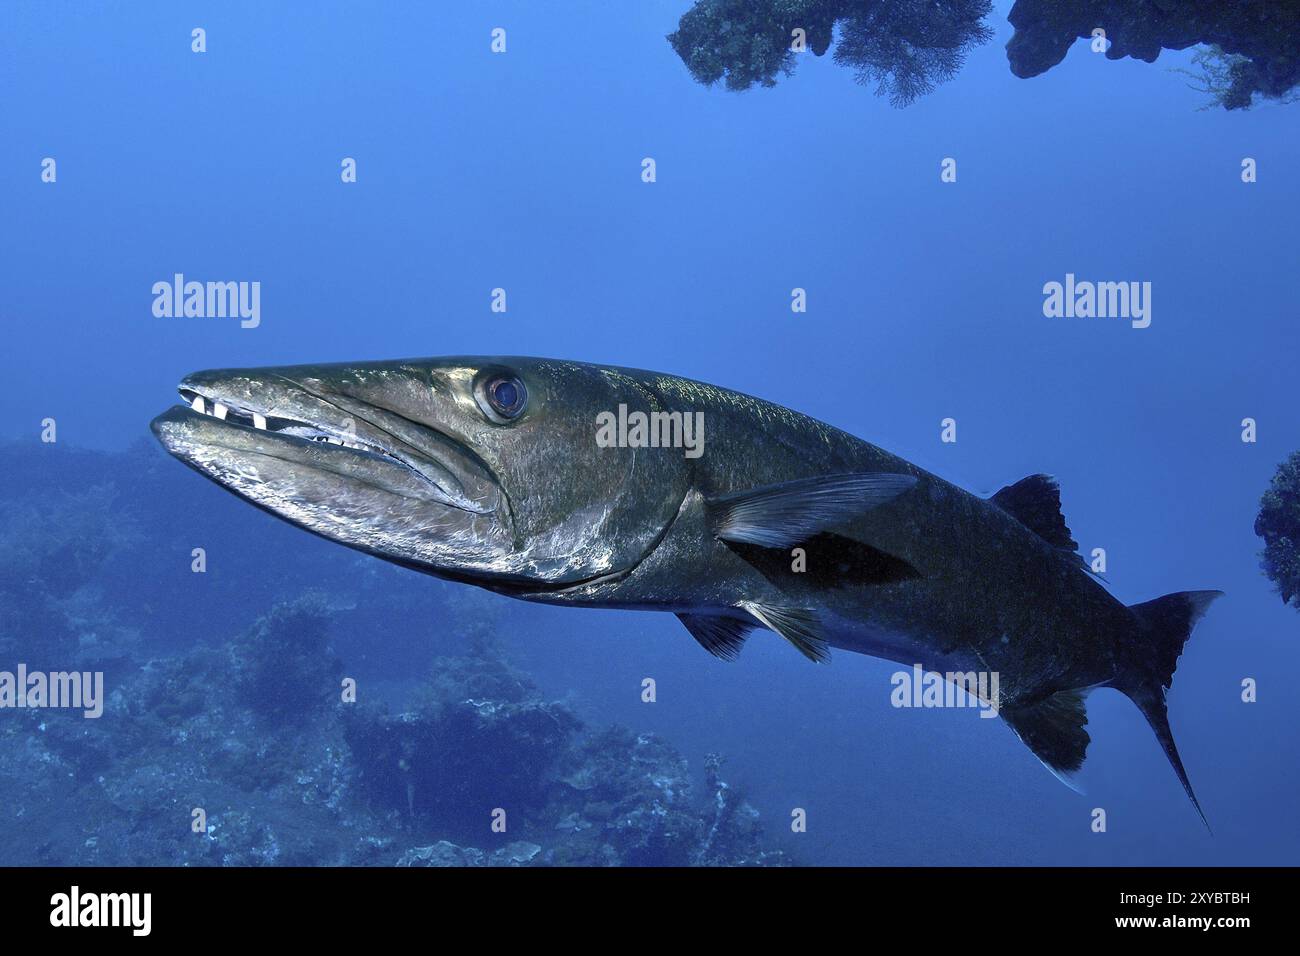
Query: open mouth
x=313, y=444
x=306, y=431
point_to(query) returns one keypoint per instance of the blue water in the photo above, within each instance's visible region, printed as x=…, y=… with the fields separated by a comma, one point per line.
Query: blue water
x=523, y=171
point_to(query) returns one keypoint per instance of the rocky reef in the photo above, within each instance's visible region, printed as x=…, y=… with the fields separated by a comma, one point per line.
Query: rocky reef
x=253, y=750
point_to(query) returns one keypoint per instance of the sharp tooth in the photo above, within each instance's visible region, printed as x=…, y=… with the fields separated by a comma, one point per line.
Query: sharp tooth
x=197, y=404
x=219, y=410
x=259, y=421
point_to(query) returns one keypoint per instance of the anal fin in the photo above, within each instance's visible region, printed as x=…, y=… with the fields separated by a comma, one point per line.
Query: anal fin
x=1053, y=728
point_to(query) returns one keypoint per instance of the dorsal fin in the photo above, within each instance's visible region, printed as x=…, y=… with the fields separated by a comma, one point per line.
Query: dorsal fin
x=721, y=636
x=783, y=515
x=1036, y=503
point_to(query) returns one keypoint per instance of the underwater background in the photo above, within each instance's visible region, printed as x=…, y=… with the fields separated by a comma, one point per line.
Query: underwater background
x=523, y=170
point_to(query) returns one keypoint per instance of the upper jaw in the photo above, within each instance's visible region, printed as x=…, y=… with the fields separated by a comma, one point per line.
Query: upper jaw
x=266, y=414
x=234, y=412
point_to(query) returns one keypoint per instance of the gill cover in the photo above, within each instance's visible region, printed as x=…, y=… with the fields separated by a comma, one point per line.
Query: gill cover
x=577, y=511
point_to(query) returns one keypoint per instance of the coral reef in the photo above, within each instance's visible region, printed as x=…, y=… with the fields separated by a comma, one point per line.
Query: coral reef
x=241, y=749
x=904, y=48
x=1278, y=523
x=1256, y=40
x=482, y=738
x=52, y=545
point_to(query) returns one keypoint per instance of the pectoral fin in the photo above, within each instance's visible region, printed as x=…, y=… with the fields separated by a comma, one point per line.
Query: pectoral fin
x=783, y=515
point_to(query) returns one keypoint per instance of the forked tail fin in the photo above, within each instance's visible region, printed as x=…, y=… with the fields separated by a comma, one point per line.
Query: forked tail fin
x=1165, y=625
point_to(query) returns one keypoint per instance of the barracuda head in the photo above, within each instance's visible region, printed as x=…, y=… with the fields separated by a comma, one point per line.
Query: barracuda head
x=479, y=469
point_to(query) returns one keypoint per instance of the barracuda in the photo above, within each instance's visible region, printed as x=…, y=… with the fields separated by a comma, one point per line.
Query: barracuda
x=488, y=471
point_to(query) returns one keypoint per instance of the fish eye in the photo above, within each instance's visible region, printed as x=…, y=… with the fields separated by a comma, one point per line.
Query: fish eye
x=504, y=395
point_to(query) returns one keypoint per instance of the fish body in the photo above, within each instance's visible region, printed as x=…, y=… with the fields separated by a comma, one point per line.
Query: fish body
x=522, y=476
